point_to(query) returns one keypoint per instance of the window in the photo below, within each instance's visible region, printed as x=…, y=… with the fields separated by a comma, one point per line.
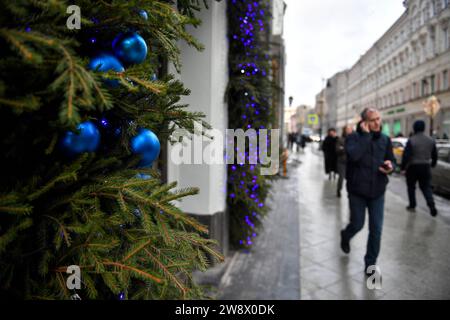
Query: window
x=444, y=80
x=386, y=129
x=432, y=83
x=424, y=87
x=397, y=128
x=445, y=3
x=445, y=35
x=414, y=90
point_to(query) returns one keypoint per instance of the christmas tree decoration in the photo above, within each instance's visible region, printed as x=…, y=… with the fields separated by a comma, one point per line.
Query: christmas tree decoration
x=105, y=62
x=147, y=145
x=143, y=14
x=86, y=140
x=56, y=213
x=130, y=48
x=248, y=63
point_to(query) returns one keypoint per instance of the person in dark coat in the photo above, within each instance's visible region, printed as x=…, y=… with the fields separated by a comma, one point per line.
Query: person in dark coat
x=370, y=159
x=419, y=156
x=329, y=151
x=342, y=157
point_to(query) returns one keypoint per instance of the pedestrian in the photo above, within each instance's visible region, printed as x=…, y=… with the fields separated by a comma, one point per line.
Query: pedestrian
x=369, y=161
x=291, y=140
x=303, y=142
x=298, y=141
x=329, y=150
x=419, y=156
x=342, y=157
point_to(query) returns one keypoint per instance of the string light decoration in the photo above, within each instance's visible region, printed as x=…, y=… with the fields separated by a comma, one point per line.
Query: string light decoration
x=249, y=97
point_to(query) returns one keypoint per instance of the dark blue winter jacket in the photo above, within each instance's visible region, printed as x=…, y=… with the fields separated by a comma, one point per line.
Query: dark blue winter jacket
x=366, y=152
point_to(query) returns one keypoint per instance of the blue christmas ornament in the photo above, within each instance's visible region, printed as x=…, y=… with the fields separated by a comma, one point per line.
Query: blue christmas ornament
x=143, y=14
x=154, y=77
x=86, y=140
x=143, y=176
x=105, y=62
x=147, y=145
x=130, y=48
x=121, y=296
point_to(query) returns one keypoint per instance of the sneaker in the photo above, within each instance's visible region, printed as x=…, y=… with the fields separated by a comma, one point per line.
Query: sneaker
x=411, y=209
x=345, y=244
x=433, y=211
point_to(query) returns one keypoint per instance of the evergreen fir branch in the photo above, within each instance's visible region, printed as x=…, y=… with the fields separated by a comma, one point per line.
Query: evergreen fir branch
x=11, y=203
x=141, y=274
x=52, y=144
x=110, y=280
x=13, y=232
x=61, y=229
x=27, y=53
x=167, y=273
x=151, y=86
x=28, y=103
x=135, y=249
x=164, y=229
x=181, y=193
x=65, y=177
x=90, y=285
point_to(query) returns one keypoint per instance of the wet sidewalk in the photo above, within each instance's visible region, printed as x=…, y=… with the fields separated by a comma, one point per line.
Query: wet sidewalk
x=297, y=255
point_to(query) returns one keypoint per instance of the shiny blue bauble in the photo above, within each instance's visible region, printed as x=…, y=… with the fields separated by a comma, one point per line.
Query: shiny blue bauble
x=130, y=48
x=143, y=14
x=105, y=62
x=147, y=145
x=86, y=140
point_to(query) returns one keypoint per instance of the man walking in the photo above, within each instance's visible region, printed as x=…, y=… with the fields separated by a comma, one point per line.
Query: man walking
x=419, y=156
x=369, y=161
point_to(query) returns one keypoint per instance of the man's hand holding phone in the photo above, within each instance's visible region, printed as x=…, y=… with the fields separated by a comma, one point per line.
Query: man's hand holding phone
x=365, y=126
x=387, y=167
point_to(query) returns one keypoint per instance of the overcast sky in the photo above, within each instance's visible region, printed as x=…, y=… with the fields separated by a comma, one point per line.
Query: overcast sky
x=326, y=36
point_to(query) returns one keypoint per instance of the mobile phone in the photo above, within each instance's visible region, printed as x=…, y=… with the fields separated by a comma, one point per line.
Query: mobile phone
x=385, y=166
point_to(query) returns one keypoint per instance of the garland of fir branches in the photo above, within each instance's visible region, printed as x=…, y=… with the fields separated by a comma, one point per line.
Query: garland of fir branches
x=249, y=102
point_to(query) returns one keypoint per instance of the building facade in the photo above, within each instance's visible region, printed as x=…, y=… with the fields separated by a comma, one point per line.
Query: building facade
x=407, y=65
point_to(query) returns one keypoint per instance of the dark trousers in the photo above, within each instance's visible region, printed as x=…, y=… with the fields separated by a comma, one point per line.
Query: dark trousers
x=358, y=207
x=419, y=173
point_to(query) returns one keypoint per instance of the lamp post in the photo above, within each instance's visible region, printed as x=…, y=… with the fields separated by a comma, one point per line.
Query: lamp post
x=320, y=114
x=431, y=108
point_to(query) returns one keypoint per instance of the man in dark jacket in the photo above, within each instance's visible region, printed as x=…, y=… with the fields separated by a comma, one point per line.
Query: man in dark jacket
x=329, y=151
x=419, y=156
x=369, y=160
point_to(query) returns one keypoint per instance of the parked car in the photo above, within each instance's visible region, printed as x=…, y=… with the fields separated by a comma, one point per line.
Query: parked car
x=441, y=173
x=398, y=146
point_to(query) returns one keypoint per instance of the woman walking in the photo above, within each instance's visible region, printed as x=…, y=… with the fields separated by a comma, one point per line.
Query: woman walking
x=329, y=150
x=342, y=157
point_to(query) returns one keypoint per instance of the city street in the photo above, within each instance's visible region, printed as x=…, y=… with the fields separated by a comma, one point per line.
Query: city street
x=297, y=255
